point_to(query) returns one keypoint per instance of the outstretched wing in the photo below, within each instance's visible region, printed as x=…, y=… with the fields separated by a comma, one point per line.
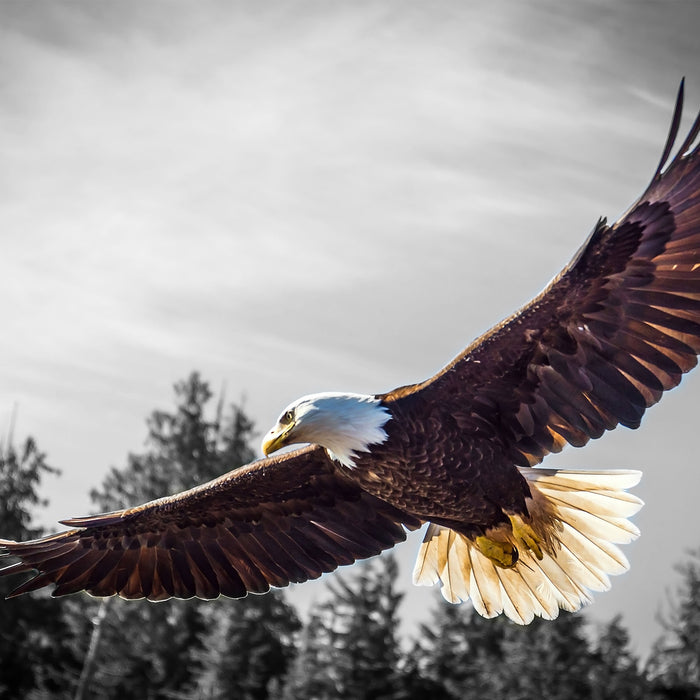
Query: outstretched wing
x=618, y=327
x=288, y=518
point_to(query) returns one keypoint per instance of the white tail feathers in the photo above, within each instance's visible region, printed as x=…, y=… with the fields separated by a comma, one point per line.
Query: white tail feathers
x=581, y=514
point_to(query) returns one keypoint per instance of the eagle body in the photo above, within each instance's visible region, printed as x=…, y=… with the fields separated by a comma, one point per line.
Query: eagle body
x=441, y=481
x=459, y=453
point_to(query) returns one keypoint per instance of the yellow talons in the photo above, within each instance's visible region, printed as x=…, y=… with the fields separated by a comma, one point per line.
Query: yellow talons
x=526, y=535
x=502, y=554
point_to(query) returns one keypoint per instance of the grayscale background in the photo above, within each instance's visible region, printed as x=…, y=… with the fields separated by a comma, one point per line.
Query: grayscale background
x=301, y=196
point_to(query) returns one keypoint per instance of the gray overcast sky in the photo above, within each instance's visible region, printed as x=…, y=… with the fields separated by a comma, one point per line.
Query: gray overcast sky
x=293, y=197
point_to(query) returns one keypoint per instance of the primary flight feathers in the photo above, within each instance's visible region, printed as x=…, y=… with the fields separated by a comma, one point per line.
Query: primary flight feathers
x=618, y=327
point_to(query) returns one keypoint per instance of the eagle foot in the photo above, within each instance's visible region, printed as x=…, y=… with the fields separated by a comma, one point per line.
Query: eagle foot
x=524, y=534
x=502, y=554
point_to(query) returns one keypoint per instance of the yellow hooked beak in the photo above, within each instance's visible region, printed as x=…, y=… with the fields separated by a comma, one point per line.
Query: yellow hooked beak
x=276, y=438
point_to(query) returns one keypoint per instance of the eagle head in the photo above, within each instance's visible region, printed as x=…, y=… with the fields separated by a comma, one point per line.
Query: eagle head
x=344, y=424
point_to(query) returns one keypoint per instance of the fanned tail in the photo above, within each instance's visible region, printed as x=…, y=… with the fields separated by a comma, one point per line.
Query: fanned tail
x=580, y=516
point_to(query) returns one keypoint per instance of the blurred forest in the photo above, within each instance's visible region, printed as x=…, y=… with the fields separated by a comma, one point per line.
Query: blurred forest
x=80, y=647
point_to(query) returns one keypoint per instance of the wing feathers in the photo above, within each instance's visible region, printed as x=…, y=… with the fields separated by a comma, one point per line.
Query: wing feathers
x=286, y=519
x=673, y=131
x=206, y=584
x=228, y=578
x=615, y=329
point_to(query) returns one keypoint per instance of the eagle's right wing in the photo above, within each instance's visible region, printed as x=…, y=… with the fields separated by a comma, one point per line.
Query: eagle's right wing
x=286, y=519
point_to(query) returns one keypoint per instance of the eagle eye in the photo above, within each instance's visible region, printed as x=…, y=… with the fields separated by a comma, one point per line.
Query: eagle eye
x=287, y=417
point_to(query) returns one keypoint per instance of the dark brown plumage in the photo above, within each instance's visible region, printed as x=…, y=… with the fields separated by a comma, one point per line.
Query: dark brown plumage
x=617, y=328
x=288, y=518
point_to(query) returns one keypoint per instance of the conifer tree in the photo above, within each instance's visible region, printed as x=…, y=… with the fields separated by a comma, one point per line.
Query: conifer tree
x=185, y=449
x=614, y=671
x=35, y=643
x=365, y=630
x=674, y=666
x=461, y=652
x=312, y=673
x=546, y=659
x=248, y=649
x=353, y=652
x=466, y=655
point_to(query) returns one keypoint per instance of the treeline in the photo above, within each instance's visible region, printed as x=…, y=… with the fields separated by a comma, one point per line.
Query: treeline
x=79, y=647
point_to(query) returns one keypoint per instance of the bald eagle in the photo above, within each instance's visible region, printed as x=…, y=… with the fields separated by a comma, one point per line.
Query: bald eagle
x=613, y=331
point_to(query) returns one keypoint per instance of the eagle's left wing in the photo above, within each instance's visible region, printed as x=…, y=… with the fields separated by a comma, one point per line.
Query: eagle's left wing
x=618, y=327
x=286, y=519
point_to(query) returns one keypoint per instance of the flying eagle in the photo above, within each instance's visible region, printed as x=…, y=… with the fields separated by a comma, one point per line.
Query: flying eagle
x=614, y=330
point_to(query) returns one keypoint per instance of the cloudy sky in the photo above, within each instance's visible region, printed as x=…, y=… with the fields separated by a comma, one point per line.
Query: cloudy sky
x=294, y=197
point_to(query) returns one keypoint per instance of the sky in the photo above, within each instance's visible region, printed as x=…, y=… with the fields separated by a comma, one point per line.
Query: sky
x=308, y=196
